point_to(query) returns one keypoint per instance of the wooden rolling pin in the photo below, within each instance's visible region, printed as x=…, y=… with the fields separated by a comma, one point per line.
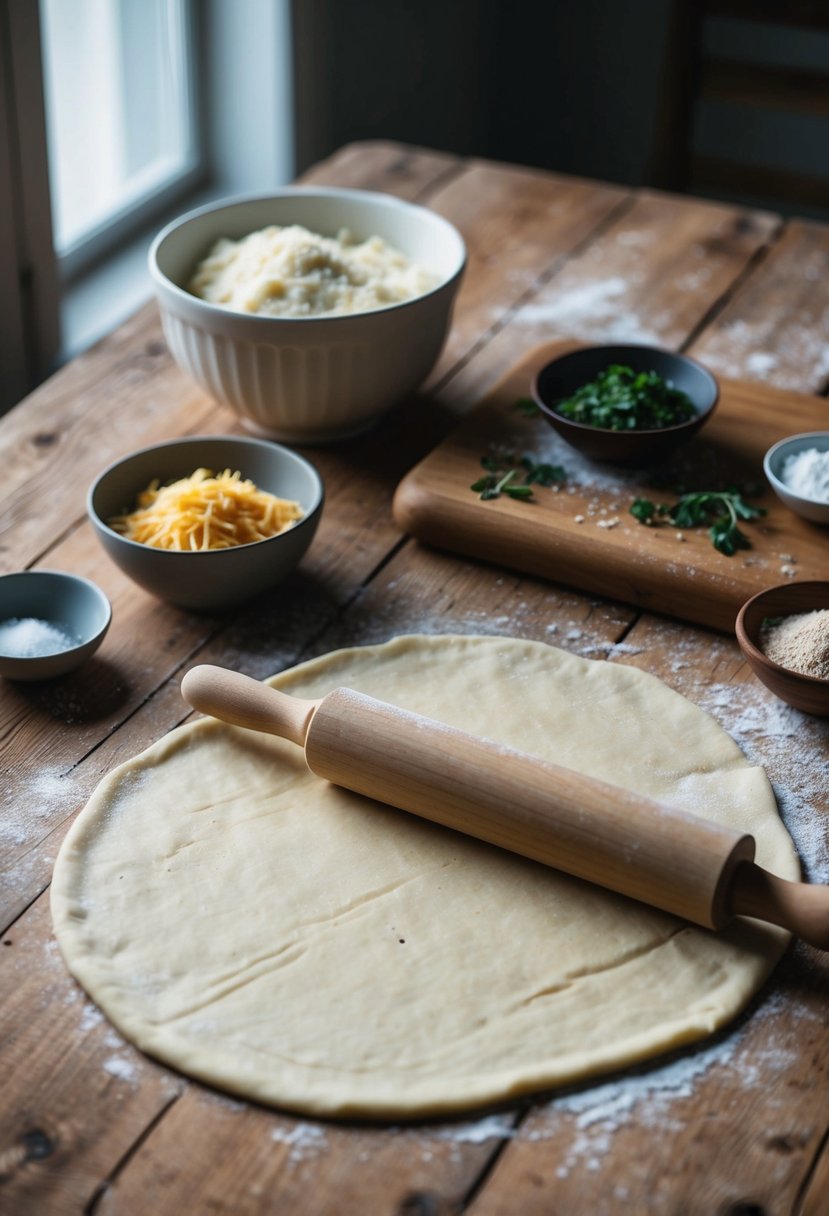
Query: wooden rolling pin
x=628, y=843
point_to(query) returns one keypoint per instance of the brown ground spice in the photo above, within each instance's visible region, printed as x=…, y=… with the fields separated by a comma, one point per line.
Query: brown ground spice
x=799, y=643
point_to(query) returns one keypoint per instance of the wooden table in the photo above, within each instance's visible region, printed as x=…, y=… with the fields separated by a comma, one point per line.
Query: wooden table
x=738, y=1125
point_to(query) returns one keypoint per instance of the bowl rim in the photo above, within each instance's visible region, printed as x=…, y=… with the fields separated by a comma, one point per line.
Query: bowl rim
x=70, y=577
x=183, y=441
x=754, y=652
x=780, y=486
x=699, y=415
x=376, y=196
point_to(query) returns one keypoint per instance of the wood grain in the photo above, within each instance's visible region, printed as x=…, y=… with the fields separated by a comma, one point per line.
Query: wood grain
x=519, y=227
x=86, y=1123
x=585, y=536
x=246, y=1161
x=652, y=275
x=76, y=1096
x=735, y=1125
x=774, y=326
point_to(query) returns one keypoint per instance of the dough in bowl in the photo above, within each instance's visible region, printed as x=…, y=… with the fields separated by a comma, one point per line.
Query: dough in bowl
x=283, y=939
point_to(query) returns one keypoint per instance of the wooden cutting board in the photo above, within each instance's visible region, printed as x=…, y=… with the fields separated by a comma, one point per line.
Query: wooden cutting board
x=583, y=535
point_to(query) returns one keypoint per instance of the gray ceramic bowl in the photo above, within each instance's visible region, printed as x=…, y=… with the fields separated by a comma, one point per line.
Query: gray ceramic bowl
x=560, y=378
x=218, y=579
x=776, y=457
x=308, y=379
x=66, y=602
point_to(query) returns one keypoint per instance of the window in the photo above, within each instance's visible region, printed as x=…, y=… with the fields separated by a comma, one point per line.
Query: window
x=115, y=117
x=119, y=82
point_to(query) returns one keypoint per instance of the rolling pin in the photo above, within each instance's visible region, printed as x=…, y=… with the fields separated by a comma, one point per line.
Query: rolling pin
x=701, y=871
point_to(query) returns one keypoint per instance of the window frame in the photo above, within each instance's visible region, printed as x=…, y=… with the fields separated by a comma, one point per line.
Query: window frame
x=127, y=220
x=245, y=83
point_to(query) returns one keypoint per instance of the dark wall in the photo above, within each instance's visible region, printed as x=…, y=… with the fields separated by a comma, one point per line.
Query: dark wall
x=568, y=86
x=641, y=92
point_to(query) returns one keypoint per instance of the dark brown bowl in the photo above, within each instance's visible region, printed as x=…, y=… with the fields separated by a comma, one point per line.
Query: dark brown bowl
x=807, y=693
x=560, y=378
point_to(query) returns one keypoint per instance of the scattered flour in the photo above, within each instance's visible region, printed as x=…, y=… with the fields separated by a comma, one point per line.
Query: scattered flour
x=491, y=1127
x=303, y=1140
x=785, y=742
x=595, y=310
x=118, y=1067
x=90, y=1017
x=802, y=362
x=760, y=363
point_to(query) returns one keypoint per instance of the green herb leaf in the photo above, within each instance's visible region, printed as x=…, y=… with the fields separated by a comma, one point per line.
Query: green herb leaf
x=503, y=467
x=494, y=485
x=541, y=474
x=620, y=399
x=718, y=510
x=643, y=510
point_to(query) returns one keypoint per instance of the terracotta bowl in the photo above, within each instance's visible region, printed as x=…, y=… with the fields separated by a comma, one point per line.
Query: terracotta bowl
x=807, y=693
x=560, y=378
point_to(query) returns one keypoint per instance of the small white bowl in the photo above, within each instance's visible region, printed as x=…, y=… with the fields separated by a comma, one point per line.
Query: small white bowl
x=776, y=456
x=74, y=605
x=308, y=379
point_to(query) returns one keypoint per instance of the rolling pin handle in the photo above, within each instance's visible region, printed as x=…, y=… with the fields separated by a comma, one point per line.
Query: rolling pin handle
x=802, y=908
x=242, y=701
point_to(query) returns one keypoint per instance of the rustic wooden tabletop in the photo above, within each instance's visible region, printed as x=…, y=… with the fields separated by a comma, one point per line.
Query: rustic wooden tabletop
x=738, y=1125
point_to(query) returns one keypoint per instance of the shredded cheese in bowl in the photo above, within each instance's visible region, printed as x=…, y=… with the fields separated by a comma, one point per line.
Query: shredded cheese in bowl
x=204, y=512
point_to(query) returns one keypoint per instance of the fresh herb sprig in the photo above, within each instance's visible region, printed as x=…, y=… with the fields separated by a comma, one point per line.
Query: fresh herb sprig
x=620, y=399
x=505, y=468
x=719, y=510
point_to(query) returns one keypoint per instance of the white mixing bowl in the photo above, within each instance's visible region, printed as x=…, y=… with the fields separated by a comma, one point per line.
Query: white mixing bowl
x=316, y=378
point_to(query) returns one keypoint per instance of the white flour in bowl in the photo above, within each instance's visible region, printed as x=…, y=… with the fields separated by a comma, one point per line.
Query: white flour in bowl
x=291, y=272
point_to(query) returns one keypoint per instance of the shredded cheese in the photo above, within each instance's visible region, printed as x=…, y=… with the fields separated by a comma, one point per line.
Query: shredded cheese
x=206, y=512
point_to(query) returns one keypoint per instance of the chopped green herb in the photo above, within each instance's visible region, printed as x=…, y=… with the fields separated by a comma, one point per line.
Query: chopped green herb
x=541, y=474
x=620, y=399
x=643, y=509
x=718, y=509
x=493, y=486
x=504, y=466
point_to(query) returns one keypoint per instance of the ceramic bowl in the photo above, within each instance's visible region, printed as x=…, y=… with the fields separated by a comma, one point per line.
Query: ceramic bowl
x=308, y=379
x=773, y=462
x=213, y=580
x=807, y=693
x=561, y=377
x=68, y=603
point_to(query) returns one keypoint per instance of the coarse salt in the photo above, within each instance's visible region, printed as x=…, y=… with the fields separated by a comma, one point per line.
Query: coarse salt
x=32, y=638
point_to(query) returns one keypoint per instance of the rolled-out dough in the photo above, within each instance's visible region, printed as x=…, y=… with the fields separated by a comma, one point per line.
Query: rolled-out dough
x=261, y=930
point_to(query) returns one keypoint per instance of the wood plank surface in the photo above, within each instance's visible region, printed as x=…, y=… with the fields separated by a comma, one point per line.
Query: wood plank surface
x=89, y=1125
x=584, y=535
x=653, y=274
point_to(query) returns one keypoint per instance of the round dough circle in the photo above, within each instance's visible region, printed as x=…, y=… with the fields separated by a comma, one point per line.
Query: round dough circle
x=273, y=935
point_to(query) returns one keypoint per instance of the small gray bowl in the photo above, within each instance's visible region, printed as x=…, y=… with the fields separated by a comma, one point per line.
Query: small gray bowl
x=217, y=579
x=72, y=604
x=560, y=378
x=776, y=457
